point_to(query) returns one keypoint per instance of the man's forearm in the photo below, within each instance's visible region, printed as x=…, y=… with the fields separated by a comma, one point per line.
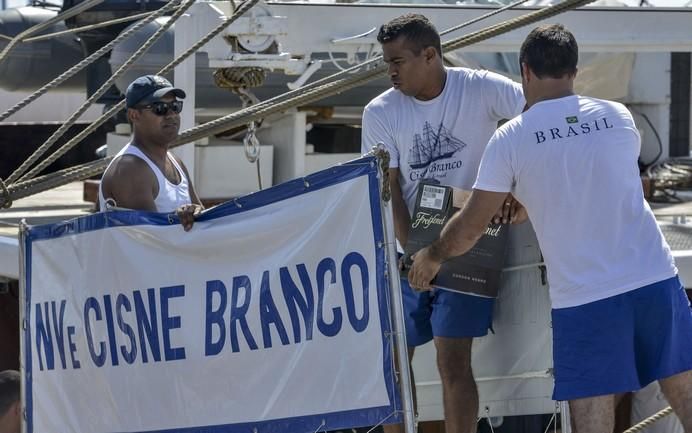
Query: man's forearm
x=402, y=221
x=467, y=226
x=456, y=239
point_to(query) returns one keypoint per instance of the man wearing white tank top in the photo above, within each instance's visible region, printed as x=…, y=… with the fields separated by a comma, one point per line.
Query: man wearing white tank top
x=144, y=175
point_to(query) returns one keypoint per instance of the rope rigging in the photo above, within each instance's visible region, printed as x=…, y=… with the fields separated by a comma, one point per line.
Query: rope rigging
x=151, y=16
x=343, y=80
x=333, y=84
x=244, y=7
x=22, y=169
x=76, y=10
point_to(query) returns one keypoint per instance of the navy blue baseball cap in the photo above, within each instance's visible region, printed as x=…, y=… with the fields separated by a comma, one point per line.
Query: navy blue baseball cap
x=150, y=88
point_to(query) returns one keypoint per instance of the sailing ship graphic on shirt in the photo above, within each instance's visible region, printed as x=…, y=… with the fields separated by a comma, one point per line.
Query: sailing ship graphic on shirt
x=432, y=145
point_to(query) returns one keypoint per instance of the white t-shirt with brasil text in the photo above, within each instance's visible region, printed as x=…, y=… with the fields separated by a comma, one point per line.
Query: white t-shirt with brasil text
x=572, y=162
x=443, y=138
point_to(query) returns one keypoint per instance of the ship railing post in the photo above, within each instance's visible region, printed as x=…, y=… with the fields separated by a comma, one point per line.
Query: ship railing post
x=396, y=304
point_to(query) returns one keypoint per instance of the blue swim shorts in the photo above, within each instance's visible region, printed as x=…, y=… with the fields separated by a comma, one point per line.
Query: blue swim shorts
x=622, y=343
x=442, y=313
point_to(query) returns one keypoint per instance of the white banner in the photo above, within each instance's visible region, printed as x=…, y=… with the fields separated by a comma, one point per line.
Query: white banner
x=269, y=316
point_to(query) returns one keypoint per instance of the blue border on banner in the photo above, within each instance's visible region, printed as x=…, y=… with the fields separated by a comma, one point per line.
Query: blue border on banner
x=28, y=393
x=366, y=166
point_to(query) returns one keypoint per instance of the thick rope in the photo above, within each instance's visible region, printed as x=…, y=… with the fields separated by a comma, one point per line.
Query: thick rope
x=247, y=5
x=87, y=61
x=56, y=179
x=276, y=105
x=40, y=26
x=483, y=17
x=375, y=60
x=308, y=94
x=650, y=420
x=315, y=90
x=5, y=198
x=88, y=27
x=65, y=126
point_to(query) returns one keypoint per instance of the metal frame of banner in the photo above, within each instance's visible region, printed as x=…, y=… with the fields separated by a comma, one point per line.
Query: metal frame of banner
x=396, y=306
x=23, y=324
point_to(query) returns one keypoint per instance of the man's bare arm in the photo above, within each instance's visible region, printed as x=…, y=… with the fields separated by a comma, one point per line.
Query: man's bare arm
x=459, y=235
x=131, y=183
x=464, y=229
x=402, y=219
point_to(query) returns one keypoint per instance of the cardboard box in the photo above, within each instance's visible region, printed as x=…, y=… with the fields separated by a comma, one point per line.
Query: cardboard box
x=477, y=272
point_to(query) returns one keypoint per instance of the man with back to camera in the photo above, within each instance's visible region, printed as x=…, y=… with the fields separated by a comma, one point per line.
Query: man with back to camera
x=10, y=402
x=620, y=317
x=433, y=106
x=144, y=175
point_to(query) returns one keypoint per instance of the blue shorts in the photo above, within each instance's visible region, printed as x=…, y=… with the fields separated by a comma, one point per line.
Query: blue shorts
x=622, y=343
x=442, y=313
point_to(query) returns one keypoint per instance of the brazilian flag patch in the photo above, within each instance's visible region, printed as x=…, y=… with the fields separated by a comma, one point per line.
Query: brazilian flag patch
x=572, y=119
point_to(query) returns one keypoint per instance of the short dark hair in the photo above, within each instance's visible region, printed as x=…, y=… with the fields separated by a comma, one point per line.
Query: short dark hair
x=9, y=389
x=550, y=51
x=416, y=28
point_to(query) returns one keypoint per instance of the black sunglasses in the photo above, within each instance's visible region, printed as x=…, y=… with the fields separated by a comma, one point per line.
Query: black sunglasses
x=161, y=108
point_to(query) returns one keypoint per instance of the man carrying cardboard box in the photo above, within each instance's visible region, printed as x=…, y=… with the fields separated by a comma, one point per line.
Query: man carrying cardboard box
x=435, y=123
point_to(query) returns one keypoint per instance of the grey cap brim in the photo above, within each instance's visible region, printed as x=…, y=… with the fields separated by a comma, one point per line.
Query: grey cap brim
x=157, y=95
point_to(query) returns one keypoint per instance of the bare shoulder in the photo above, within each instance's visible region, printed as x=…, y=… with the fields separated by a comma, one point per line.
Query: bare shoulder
x=128, y=169
x=130, y=182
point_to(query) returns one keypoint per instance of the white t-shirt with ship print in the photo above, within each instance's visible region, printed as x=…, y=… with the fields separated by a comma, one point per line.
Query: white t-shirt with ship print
x=443, y=138
x=572, y=162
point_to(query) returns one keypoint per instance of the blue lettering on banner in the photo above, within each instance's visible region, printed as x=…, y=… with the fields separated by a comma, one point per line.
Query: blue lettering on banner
x=133, y=327
x=93, y=304
x=295, y=300
x=58, y=326
x=50, y=330
x=170, y=322
x=128, y=355
x=299, y=298
x=351, y=260
x=327, y=329
x=44, y=338
x=111, y=331
x=238, y=313
x=147, y=326
x=73, y=347
x=215, y=318
x=269, y=314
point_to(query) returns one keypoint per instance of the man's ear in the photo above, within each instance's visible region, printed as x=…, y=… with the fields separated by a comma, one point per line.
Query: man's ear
x=525, y=71
x=430, y=54
x=132, y=115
